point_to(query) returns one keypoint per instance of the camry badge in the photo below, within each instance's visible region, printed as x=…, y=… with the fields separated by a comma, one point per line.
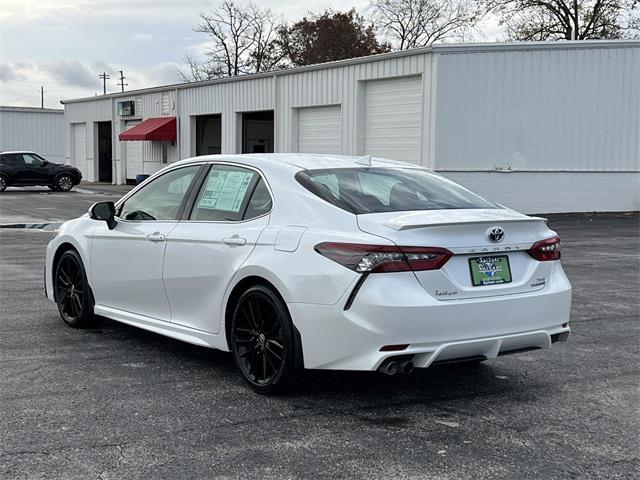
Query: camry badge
x=495, y=234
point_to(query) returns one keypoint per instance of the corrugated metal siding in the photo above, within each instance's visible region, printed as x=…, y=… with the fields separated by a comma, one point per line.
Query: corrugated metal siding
x=283, y=93
x=346, y=86
x=229, y=99
x=564, y=109
x=556, y=192
x=40, y=132
x=87, y=113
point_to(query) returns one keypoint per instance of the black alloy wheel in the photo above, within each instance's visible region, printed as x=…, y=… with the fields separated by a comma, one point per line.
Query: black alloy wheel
x=64, y=183
x=262, y=340
x=71, y=291
x=3, y=183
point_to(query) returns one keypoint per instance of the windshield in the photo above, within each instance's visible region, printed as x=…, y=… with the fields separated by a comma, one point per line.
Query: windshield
x=376, y=190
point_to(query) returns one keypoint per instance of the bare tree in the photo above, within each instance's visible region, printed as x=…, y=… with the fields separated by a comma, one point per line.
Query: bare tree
x=265, y=54
x=196, y=70
x=230, y=30
x=242, y=41
x=567, y=19
x=418, y=23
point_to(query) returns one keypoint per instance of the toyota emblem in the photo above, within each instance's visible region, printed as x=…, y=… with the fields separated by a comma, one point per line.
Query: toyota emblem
x=495, y=234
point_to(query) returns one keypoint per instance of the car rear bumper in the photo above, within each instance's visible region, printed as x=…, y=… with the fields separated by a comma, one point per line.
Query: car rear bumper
x=393, y=309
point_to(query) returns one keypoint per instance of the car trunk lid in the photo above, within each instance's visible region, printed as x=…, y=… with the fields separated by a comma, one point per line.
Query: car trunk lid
x=466, y=234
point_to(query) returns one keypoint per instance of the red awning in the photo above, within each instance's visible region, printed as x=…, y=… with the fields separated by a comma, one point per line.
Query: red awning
x=161, y=129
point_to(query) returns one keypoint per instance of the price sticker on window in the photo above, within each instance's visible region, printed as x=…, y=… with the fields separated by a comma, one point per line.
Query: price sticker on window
x=225, y=190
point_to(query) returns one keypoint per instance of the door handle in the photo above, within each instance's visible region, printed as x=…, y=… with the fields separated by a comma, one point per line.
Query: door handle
x=156, y=237
x=234, y=240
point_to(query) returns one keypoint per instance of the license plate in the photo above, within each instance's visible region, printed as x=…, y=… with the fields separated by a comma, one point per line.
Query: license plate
x=490, y=270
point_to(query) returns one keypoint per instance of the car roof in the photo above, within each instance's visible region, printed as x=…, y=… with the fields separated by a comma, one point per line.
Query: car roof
x=302, y=161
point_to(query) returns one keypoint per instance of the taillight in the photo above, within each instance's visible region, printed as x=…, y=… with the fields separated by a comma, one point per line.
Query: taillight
x=363, y=258
x=546, y=250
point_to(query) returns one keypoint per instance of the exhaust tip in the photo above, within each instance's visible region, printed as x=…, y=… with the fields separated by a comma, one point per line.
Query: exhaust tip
x=389, y=367
x=406, y=367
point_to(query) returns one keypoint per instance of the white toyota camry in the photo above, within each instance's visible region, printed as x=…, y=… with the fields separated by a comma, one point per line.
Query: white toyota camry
x=295, y=262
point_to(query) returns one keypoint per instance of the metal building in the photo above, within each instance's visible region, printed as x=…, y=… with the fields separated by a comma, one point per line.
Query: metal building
x=40, y=130
x=540, y=127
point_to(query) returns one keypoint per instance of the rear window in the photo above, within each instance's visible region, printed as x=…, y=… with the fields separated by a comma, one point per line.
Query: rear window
x=376, y=190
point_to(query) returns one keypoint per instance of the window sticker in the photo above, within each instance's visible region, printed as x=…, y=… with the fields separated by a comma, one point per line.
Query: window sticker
x=225, y=190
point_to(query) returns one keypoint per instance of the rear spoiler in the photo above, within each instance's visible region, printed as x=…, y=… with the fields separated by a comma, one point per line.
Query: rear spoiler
x=437, y=223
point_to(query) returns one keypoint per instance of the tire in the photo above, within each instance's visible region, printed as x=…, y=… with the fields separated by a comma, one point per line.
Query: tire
x=3, y=183
x=263, y=342
x=72, y=293
x=64, y=182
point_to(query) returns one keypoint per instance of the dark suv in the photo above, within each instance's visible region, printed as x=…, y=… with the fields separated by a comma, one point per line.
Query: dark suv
x=28, y=169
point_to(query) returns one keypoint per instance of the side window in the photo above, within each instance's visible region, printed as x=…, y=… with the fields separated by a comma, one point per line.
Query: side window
x=260, y=202
x=161, y=199
x=11, y=160
x=32, y=160
x=224, y=194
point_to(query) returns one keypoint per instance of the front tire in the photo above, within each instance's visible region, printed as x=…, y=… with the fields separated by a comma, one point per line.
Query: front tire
x=64, y=183
x=72, y=292
x=263, y=341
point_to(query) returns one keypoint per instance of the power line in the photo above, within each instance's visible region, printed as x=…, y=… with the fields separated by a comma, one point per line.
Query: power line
x=122, y=78
x=104, y=77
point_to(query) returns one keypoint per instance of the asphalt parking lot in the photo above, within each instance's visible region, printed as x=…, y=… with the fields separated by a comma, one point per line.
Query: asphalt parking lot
x=118, y=402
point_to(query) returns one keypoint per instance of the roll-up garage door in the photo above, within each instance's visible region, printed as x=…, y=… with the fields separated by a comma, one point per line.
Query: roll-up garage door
x=133, y=155
x=320, y=130
x=80, y=147
x=393, y=118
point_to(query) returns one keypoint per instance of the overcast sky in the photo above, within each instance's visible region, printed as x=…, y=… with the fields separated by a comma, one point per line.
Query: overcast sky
x=64, y=44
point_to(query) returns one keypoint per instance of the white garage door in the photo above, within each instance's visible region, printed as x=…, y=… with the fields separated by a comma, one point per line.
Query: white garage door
x=80, y=147
x=133, y=155
x=393, y=118
x=320, y=130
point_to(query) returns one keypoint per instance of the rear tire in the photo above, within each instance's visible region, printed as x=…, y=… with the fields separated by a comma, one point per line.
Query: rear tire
x=3, y=183
x=263, y=342
x=64, y=182
x=72, y=293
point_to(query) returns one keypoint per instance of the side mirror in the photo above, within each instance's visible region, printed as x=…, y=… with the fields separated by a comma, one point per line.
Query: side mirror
x=105, y=211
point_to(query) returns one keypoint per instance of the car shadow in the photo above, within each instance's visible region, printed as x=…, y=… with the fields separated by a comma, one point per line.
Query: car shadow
x=28, y=190
x=436, y=385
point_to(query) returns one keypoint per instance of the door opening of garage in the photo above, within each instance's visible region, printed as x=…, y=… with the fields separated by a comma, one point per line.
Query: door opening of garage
x=208, y=135
x=257, y=132
x=105, y=159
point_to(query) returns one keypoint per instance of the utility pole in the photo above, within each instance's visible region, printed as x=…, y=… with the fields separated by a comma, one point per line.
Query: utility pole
x=42, y=97
x=104, y=77
x=574, y=30
x=122, y=77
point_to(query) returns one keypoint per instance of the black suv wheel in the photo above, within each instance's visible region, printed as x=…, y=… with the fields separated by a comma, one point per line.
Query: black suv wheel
x=64, y=182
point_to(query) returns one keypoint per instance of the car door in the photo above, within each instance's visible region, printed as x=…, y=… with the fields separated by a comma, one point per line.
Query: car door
x=19, y=171
x=126, y=262
x=205, y=250
x=10, y=166
x=36, y=169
